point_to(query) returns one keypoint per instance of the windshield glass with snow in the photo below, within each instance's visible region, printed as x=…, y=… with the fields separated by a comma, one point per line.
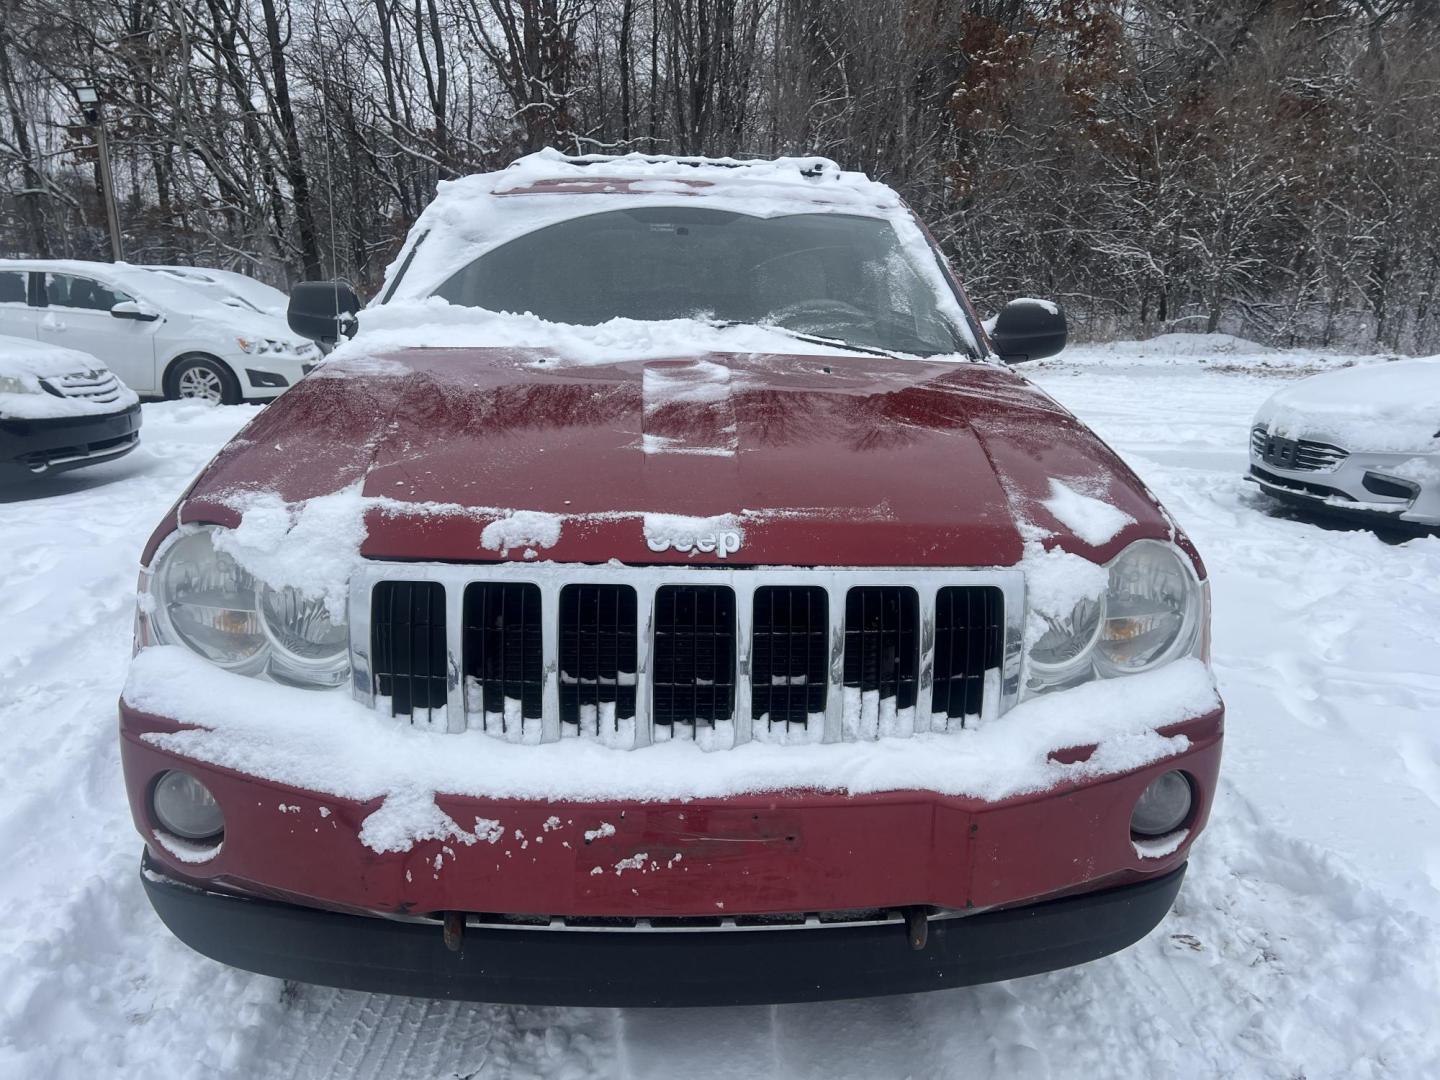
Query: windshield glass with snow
x=835, y=276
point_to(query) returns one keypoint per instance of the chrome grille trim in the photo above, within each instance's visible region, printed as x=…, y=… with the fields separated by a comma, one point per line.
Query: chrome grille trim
x=810, y=920
x=98, y=386
x=1310, y=455
x=551, y=577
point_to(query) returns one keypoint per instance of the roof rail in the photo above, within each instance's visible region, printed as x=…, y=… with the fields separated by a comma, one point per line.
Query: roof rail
x=812, y=168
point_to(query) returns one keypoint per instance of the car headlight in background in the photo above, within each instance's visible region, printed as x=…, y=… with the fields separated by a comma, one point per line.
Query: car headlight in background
x=1150, y=613
x=205, y=600
x=261, y=346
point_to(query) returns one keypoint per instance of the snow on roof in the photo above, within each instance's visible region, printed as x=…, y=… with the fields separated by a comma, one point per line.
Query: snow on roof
x=476, y=213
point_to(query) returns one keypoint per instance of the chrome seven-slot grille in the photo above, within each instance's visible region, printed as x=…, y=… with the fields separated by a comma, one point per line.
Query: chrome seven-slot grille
x=98, y=386
x=632, y=656
x=1304, y=455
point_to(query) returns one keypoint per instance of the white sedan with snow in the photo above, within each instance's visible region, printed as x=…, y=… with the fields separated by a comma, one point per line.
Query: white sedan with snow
x=164, y=335
x=60, y=409
x=1360, y=442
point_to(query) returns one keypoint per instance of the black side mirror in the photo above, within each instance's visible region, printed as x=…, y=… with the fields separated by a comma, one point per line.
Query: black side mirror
x=1029, y=330
x=323, y=310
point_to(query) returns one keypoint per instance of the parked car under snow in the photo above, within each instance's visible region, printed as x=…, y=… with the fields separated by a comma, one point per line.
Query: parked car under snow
x=60, y=409
x=1360, y=443
x=668, y=597
x=164, y=335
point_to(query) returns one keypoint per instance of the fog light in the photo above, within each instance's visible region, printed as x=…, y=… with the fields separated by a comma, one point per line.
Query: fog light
x=1163, y=806
x=185, y=807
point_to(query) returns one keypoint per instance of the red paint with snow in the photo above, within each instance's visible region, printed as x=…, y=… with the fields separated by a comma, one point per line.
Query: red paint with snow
x=753, y=854
x=842, y=461
x=823, y=460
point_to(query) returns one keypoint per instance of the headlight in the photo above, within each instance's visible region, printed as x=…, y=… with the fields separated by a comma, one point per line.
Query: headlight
x=1152, y=609
x=1150, y=613
x=9, y=385
x=206, y=601
x=306, y=645
x=1063, y=651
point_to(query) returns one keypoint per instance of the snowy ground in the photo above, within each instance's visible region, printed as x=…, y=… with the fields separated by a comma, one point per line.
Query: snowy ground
x=1306, y=942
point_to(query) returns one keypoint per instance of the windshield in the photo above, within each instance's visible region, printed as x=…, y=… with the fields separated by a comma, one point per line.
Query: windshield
x=833, y=276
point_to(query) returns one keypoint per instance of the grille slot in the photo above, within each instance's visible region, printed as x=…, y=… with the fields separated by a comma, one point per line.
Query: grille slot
x=693, y=671
x=98, y=386
x=407, y=642
x=1298, y=455
x=598, y=661
x=882, y=660
x=789, y=658
x=633, y=655
x=969, y=644
x=503, y=657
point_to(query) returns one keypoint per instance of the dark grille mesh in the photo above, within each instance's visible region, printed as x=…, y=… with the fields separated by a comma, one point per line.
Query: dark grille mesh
x=789, y=654
x=693, y=674
x=503, y=652
x=969, y=634
x=597, y=654
x=407, y=644
x=881, y=641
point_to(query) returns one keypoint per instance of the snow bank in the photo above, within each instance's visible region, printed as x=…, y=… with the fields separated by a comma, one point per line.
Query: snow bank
x=1201, y=350
x=1377, y=407
x=335, y=746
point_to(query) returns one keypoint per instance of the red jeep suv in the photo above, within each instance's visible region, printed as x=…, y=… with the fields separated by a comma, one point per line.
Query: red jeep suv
x=666, y=594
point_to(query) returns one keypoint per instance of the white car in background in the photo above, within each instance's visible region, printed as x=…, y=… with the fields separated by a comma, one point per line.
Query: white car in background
x=1361, y=443
x=230, y=287
x=163, y=336
x=60, y=409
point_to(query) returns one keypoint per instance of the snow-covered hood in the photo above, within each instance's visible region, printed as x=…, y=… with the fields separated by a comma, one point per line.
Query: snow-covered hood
x=484, y=454
x=30, y=361
x=1372, y=407
x=26, y=359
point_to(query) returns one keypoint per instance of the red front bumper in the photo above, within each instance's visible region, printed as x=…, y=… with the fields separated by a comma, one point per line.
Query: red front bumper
x=783, y=852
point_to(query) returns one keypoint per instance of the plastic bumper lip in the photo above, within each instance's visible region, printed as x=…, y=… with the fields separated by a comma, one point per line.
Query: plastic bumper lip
x=1410, y=516
x=52, y=445
x=655, y=968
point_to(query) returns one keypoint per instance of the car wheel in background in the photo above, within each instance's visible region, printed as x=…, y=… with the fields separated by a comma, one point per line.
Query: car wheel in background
x=201, y=378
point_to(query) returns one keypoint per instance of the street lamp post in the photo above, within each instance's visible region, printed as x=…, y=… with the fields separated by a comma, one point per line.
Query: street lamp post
x=94, y=115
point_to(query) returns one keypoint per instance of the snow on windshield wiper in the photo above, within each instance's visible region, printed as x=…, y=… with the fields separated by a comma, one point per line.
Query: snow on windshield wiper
x=814, y=339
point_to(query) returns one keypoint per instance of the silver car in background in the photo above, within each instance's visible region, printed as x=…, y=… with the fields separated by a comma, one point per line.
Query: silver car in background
x=1361, y=443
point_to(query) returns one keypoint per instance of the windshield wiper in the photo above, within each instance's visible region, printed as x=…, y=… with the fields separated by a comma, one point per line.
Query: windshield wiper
x=814, y=339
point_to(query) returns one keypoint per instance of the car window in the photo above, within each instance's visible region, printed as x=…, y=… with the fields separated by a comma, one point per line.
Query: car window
x=838, y=276
x=68, y=290
x=12, y=287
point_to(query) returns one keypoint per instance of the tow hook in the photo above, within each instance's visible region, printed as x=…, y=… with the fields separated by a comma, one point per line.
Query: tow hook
x=454, y=930
x=917, y=927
